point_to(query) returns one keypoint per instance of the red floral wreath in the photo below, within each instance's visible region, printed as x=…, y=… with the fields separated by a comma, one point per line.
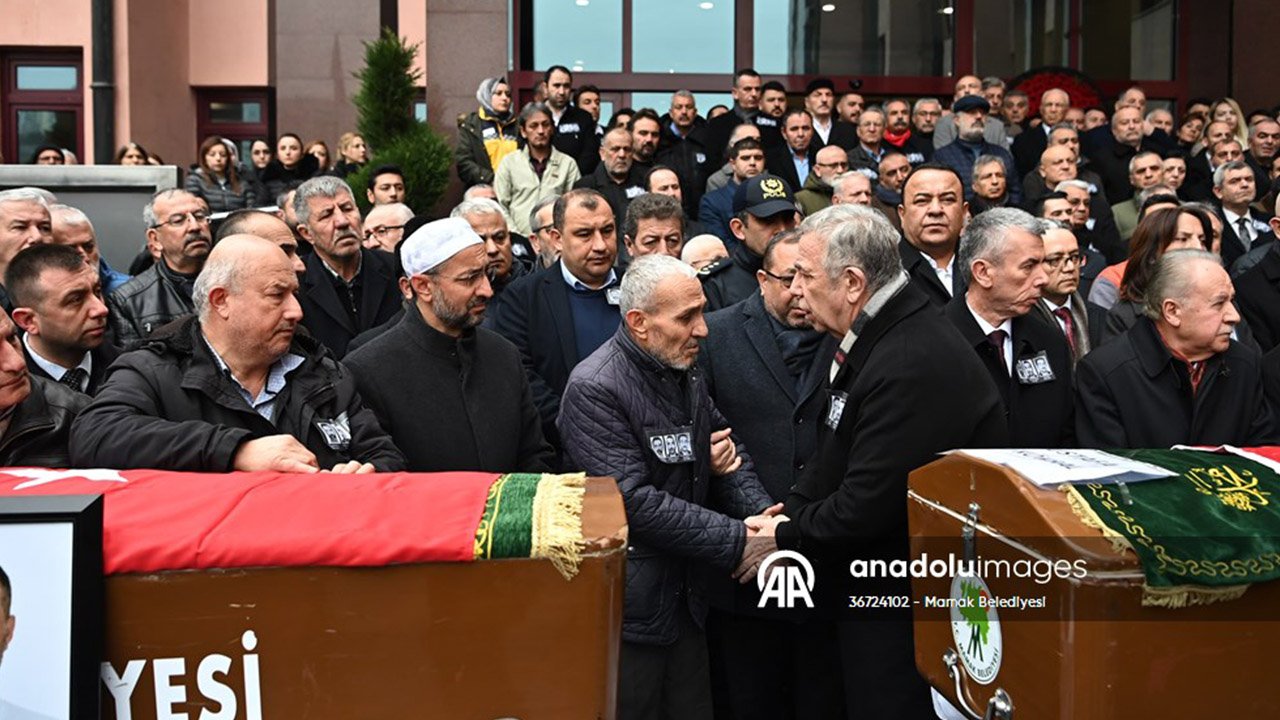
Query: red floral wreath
x=1078, y=86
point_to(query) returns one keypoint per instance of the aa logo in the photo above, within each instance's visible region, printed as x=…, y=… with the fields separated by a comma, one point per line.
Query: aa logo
x=790, y=580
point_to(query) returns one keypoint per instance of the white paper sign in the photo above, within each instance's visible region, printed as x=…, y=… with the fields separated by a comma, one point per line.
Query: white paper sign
x=1048, y=468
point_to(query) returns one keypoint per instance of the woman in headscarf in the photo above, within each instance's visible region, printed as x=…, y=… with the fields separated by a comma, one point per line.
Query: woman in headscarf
x=486, y=135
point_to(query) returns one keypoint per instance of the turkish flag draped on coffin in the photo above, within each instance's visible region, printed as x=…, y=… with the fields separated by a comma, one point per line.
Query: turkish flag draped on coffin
x=156, y=520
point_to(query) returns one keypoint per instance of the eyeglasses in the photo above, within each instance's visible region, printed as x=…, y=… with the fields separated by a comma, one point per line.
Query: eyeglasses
x=786, y=280
x=178, y=221
x=1053, y=262
x=540, y=228
x=837, y=164
x=382, y=230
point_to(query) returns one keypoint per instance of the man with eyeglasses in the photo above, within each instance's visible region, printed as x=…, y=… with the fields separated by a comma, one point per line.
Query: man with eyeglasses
x=830, y=161
x=1002, y=256
x=925, y=115
x=384, y=226
x=767, y=343
x=179, y=238
x=1062, y=303
x=489, y=220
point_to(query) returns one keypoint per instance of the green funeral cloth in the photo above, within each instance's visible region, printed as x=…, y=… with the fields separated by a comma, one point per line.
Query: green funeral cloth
x=533, y=516
x=1201, y=536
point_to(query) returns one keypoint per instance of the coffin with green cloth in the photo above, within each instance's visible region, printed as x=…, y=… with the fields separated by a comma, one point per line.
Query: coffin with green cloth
x=1042, y=591
x=261, y=595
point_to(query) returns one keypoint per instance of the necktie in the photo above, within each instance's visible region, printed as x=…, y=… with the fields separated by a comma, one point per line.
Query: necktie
x=996, y=338
x=1246, y=238
x=74, y=379
x=1069, y=328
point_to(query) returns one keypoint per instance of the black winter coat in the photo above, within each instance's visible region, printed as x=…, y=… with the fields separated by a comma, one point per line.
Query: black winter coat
x=1132, y=393
x=221, y=197
x=276, y=178
x=152, y=299
x=626, y=416
x=733, y=279
x=324, y=309
x=1258, y=295
x=169, y=406
x=480, y=414
x=40, y=426
x=576, y=137
x=688, y=157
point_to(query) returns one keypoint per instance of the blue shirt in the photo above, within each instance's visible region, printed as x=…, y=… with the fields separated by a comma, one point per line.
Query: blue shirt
x=265, y=403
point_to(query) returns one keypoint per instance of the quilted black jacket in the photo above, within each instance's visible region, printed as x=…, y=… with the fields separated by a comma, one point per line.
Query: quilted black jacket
x=618, y=408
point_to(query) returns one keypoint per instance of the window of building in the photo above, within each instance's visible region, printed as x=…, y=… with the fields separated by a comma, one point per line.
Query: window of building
x=681, y=36
x=1128, y=39
x=1039, y=35
x=43, y=104
x=240, y=115
x=853, y=37
x=582, y=35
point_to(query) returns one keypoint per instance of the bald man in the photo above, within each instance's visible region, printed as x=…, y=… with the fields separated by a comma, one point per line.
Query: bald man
x=234, y=387
x=268, y=226
x=1028, y=146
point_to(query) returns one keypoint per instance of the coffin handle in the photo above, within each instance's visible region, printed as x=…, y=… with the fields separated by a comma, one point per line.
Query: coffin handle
x=999, y=707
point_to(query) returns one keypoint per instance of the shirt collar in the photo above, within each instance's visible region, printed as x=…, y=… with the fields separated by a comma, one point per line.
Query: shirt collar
x=337, y=275
x=1232, y=218
x=53, y=369
x=935, y=264
x=988, y=328
x=572, y=281
x=276, y=376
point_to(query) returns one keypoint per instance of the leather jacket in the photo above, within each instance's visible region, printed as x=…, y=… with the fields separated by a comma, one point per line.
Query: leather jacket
x=40, y=426
x=150, y=300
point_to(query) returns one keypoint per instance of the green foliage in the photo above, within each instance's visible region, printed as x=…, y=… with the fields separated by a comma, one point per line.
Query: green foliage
x=384, y=106
x=424, y=157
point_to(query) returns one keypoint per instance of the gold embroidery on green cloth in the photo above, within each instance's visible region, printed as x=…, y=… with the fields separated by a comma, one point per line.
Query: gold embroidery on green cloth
x=538, y=516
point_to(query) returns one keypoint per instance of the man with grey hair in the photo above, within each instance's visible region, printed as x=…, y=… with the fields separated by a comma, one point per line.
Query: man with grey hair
x=816, y=195
x=1145, y=170
x=346, y=288
x=636, y=411
x=989, y=183
x=1176, y=376
x=899, y=134
x=24, y=221
x=480, y=190
x=852, y=187
x=489, y=220
x=654, y=224
x=969, y=113
x=178, y=237
x=384, y=226
x=925, y=114
x=683, y=148
x=1243, y=226
x=538, y=169
x=1028, y=146
x=541, y=225
x=617, y=176
x=482, y=413
x=895, y=401
x=1002, y=257
x=72, y=227
x=235, y=387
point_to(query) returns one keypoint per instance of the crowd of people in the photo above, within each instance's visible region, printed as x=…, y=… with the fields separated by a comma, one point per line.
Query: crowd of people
x=758, y=322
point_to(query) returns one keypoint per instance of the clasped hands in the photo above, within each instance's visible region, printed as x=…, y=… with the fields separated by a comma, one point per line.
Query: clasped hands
x=760, y=542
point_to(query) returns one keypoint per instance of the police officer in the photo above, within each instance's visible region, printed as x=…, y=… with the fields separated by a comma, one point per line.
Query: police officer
x=763, y=206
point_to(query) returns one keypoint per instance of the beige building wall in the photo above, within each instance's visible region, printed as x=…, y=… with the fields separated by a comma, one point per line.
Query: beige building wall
x=161, y=108
x=228, y=43
x=60, y=24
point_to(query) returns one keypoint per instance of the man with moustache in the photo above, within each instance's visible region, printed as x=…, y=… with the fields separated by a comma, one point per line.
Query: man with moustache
x=646, y=132
x=969, y=145
x=1062, y=304
x=58, y=304
x=767, y=343
x=178, y=236
x=1002, y=256
x=234, y=387
x=489, y=221
x=899, y=134
x=925, y=114
x=482, y=413
x=828, y=129
x=346, y=288
x=616, y=177
x=945, y=132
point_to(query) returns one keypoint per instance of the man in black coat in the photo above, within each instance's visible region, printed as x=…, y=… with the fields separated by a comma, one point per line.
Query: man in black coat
x=617, y=177
x=346, y=288
x=560, y=315
x=1258, y=296
x=178, y=229
x=481, y=414
x=763, y=206
x=1176, y=376
x=904, y=387
x=828, y=128
x=1111, y=157
x=798, y=154
x=767, y=343
x=1002, y=255
x=683, y=148
x=746, y=106
x=235, y=388
x=1028, y=146
x=58, y=303
x=638, y=410
x=1244, y=228
x=575, y=130
x=932, y=214
x=39, y=412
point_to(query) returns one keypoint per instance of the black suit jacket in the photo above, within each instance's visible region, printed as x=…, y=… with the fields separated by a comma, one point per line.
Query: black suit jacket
x=909, y=389
x=1198, y=184
x=777, y=421
x=924, y=278
x=1027, y=148
x=1232, y=247
x=843, y=135
x=778, y=161
x=535, y=315
x=576, y=137
x=1038, y=410
x=1258, y=295
x=103, y=356
x=322, y=310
